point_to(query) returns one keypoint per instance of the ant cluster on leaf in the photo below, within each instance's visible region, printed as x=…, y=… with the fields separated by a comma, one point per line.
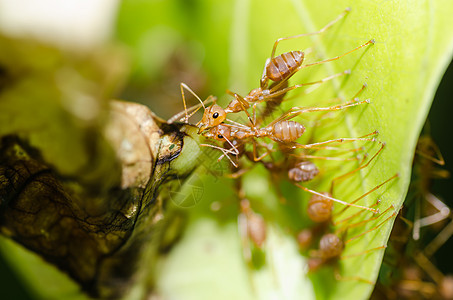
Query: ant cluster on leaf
x=276, y=146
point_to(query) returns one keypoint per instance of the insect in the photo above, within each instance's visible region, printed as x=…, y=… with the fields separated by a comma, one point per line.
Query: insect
x=320, y=210
x=278, y=69
x=252, y=227
x=282, y=130
x=409, y=270
x=332, y=245
x=427, y=157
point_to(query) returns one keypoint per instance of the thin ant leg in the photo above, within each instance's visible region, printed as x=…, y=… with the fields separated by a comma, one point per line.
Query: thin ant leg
x=275, y=91
x=255, y=158
x=334, y=199
x=225, y=152
x=194, y=108
x=369, y=230
x=438, y=159
x=353, y=215
x=243, y=104
x=237, y=174
x=429, y=267
x=362, y=253
x=444, y=211
x=328, y=158
x=339, y=178
x=236, y=124
x=339, y=140
x=416, y=228
x=363, y=196
x=349, y=226
x=330, y=24
x=332, y=148
x=439, y=240
x=186, y=87
x=372, y=41
x=295, y=111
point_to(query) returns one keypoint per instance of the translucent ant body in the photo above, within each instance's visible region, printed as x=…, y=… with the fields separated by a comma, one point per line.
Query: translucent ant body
x=320, y=211
x=331, y=247
x=302, y=171
x=283, y=131
x=278, y=69
x=410, y=272
x=320, y=208
x=427, y=157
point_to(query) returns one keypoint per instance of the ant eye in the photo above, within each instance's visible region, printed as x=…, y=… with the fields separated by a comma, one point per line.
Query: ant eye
x=215, y=115
x=220, y=136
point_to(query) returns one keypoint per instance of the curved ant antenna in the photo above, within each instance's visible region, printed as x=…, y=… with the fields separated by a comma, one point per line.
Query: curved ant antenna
x=192, y=109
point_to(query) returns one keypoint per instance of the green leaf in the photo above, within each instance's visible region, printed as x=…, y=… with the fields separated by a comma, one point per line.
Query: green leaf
x=402, y=69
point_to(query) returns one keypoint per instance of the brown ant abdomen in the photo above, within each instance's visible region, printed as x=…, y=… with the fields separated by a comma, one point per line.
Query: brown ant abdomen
x=303, y=171
x=330, y=246
x=282, y=66
x=320, y=208
x=286, y=131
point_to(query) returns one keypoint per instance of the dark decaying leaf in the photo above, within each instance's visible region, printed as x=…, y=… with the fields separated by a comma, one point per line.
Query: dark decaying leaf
x=94, y=210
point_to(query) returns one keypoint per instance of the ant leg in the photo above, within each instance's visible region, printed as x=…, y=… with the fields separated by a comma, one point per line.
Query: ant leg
x=255, y=158
x=429, y=267
x=336, y=223
x=330, y=24
x=372, y=41
x=341, y=177
x=225, y=152
x=328, y=157
x=192, y=109
x=362, y=253
x=264, y=79
x=339, y=140
x=334, y=199
x=442, y=214
x=295, y=111
x=186, y=87
x=237, y=174
x=444, y=211
x=360, y=223
x=374, y=228
x=426, y=142
x=244, y=105
x=195, y=108
x=275, y=91
x=439, y=240
x=363, y=196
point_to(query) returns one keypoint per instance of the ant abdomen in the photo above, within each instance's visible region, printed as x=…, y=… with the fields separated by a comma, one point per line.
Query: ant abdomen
x=320, y=208
x=330, y=245
x=286, y=131
x=256, y=229
x=305, y=238
x=303, y=171
x=284, y=65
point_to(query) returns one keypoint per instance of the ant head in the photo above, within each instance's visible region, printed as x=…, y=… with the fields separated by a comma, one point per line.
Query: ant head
x=220, y=133
x=213, y=116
